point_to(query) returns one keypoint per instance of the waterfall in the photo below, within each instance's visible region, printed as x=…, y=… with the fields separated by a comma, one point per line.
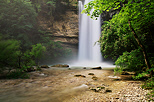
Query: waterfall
x=89, y=33
x=89, y=54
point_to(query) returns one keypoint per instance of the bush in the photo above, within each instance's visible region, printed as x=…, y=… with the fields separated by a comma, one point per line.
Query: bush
x=9, y=52
x=12, y=58
x=133, y=61
x=17, y=74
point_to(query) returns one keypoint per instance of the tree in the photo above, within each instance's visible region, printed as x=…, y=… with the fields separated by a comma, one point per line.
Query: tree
x=9, y=52
x=18, y=20
x=135, y=14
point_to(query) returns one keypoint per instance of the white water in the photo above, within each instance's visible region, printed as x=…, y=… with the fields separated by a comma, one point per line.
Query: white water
x=89, y=32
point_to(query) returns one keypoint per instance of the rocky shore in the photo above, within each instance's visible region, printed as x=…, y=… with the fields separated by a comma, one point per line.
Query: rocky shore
x=73, y=85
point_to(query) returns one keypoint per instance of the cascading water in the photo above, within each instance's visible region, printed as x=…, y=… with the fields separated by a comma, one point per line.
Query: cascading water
x=89, y=54
x=89, y=33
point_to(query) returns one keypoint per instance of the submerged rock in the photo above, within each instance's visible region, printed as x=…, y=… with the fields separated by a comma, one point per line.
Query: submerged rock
x=108, y=90
x=94, y=78
x=80, y=76
x=100, y=89
x=90, y=73
x=60, y=65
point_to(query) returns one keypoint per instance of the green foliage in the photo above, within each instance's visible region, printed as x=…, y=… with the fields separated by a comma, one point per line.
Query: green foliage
x=55, y=49
x=38, y=50
x=17, y=74
x=140, y=75
x=12, y=58
x=115, y=39
x=133, y=60
x=149, y=84
x=27, y=61
x=17, y=19
x=118, y=70
x=9, y=52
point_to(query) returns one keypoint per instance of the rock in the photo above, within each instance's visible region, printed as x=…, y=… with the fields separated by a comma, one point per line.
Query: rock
x=94, y=78
x=114, y=77
x=30, y=69
x=42, y=74
x=127, y=73
x=98, y=89
x=84, y=67
x=108, y=90
x=97, y=68
x=60, y=65
x=44, y=66
x=80, y=76
x=90, y=73
x=131, y=73
x=101, y=87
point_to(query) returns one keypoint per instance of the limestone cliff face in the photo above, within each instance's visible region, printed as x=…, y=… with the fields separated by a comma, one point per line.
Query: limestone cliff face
x=62, y=26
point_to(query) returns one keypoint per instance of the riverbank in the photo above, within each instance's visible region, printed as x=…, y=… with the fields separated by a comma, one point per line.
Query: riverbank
x=72, y=85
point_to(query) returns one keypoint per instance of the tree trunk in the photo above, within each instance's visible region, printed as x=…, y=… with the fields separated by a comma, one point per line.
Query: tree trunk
x=142, y=47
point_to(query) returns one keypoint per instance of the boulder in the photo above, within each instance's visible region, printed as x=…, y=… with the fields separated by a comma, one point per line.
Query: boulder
x=44, y=66
x=30, y=69
x=96, y=68
x=60, y=65
x=100, y=89
x=108, y=90
x=79, y=75
x=94, y=78
x=90, y=73
x=84, y=68
x=127, y=73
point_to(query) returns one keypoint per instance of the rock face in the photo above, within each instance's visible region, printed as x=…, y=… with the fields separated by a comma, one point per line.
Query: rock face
x=62, y=27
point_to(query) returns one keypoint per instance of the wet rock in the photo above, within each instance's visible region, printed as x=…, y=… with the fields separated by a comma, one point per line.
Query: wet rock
x=100, y=89
x=94, y=78
x=97, y=68
x=127, y=73
x=114, y=77
x=90, y=73
x=84, y=67
x=44, y=66
x=42, y=74
x=108, y=90
x=61, y=65
x=30, y=69
x=79, y=75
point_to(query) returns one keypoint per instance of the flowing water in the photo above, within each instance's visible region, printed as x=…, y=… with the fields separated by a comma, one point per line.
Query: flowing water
x=89, y=54
x=89, y=33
